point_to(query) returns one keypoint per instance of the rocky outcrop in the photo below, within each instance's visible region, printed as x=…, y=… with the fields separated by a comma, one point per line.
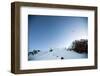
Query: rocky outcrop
x=80, y=46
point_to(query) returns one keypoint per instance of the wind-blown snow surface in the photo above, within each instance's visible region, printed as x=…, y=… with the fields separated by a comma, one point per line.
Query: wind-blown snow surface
x=57, y=54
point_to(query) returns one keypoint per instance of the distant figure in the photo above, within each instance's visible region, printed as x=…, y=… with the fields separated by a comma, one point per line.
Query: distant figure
x=62, y=58
x=51, y=50
x=38, y=50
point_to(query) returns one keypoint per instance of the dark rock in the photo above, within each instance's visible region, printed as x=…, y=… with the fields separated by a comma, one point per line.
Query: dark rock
x=80, y=46
x=62, y=58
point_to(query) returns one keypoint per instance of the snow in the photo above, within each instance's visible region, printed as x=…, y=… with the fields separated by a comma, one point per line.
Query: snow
x=57, y=54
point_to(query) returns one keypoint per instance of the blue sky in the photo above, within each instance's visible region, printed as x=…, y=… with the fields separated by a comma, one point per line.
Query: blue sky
x=45, y=32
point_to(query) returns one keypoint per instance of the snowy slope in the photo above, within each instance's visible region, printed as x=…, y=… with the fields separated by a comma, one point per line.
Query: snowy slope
x=57, y=54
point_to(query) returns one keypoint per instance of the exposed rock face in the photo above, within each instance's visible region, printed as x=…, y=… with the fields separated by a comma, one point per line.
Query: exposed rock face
x=80, y=46
x=33, y=52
